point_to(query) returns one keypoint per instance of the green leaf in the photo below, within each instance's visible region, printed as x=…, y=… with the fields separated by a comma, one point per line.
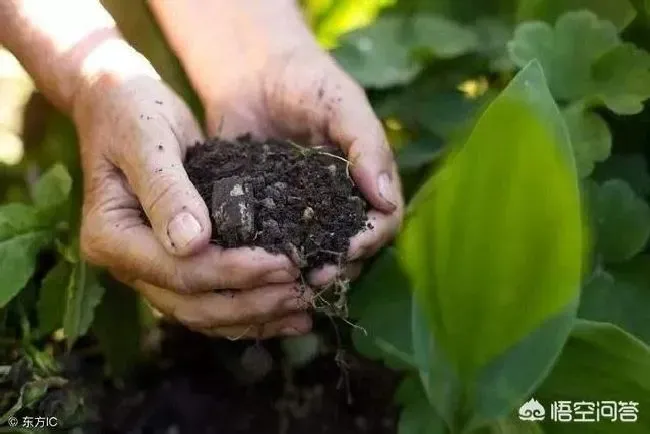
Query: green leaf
x=51, y=304
x=622, y=79
x=590, y=138
x=631, y=168
x=566, y=52
x=121, y=340
x=53, y=188
x=417, y=416
x=21, y=239
x=619, y=12
x=512, y=425
x=621, y=297
x=476, y=247
x=380, y=303
x=622, y=221
x=83, y=294
x=599, y=363
x=384, y=53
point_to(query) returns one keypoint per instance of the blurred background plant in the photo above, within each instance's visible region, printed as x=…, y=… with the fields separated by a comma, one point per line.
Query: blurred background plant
x=431, y=68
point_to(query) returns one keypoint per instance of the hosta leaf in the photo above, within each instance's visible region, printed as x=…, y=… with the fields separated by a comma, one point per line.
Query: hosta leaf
x=381, y=306
x=567, y=51
x=620, y=296
x=21, y=238
x=590, y=138
x=476, y=247
x=622, y=220
x=51, y=303
x=622, y=79
x=53, y=188
x=83, y=294
x=599, y=363
x=383, y=54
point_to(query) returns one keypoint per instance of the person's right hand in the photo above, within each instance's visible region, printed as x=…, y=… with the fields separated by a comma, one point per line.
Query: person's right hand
x=134, y=132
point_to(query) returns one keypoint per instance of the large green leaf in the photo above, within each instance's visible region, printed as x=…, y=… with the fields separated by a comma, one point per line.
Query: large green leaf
x=384, y=53
x=417, y=416
x=21, y=238
x=584, y=58
x=620, y=12
x=622, y=220
x=599, y=363
x=83, y=294
x=498, y=228
x=620, y=296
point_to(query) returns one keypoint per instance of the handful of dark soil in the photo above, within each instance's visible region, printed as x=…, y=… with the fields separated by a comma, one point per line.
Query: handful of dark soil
x=279, y=196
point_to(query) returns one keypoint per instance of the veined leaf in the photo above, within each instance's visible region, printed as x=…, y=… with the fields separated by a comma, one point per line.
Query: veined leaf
x=498, y=229
x=590, y=138
x=584, y=59
x=51, y=303
x=599, y=363
x=21, y=238
x=622, y=220
x=383, y=54
x=83, y=294
x=619, y=12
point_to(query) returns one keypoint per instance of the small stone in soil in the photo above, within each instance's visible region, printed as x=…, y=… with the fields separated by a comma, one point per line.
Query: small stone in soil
x=232, y=208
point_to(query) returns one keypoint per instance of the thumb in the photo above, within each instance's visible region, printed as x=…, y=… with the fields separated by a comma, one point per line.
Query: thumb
x=176, y=211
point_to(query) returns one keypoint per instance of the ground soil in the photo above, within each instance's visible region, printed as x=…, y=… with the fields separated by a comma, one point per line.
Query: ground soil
x=198, y=386
x=280, y=196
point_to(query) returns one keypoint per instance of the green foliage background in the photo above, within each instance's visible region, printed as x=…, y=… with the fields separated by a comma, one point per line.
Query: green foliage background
x=535, y=109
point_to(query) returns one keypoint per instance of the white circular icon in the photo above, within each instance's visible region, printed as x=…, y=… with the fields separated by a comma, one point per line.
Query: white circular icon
x=13, y=421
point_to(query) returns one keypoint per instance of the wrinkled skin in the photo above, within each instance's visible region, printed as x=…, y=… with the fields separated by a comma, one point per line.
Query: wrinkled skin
x=134, y=133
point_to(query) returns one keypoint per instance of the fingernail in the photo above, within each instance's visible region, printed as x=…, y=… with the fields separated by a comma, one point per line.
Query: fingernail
x=387, y=189
x=280, y=276
x=183, y=229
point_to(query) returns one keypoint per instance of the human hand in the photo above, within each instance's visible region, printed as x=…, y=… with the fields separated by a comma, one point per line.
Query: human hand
x=134, y=132
x=302, y=94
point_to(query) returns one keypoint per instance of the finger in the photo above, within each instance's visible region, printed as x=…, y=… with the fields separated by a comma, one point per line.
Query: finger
x=227, y=308
x=381, y=230
x=176, y=211
x=353, y=125
x=328, y=274
x=114, y=236
x=292, y=325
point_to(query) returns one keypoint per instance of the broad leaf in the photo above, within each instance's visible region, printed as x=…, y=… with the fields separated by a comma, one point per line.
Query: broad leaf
x=53, y=188
x=599, y=363
x=83, y=294
x=476, y=248
x=590, y=138
x=620, y=296
x=21, y=239
x=381, y=306
x=567, y=51
x=384, y=53
x=584, y=58
x=622, y=220
x=51, y=303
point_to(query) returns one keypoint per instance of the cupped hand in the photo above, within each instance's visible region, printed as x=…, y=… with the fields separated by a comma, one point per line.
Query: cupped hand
x=304, y=95
x=146, y=223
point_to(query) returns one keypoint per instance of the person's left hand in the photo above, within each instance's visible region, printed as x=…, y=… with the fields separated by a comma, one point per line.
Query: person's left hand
x=304, y=95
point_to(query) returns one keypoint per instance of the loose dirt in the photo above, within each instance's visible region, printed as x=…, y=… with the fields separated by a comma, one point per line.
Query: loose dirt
x=280, y=196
